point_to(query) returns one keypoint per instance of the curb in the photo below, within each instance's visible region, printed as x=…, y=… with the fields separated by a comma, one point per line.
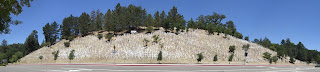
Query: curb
x=182, y=65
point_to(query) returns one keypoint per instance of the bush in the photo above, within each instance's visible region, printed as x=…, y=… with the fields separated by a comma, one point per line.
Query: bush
x=232, y=48
x=200, y=57
x=108, y=36
x=71, y=55
x=149, y=29
x=292, y=60
x=246, y=38
x=159, y=56
x=67, y=44
x=275, y=59
x=45, y=44
x=70, y=38
x=215, y=58
x=156, y=38
x=55, y=55
x=230, y=58
x=16, y=57
x=99, y=36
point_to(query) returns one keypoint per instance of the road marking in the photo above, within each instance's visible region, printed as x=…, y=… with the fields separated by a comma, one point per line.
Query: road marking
x=136, y=70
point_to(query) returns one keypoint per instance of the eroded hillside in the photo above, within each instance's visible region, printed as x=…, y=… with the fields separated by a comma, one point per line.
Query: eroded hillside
x=131, y=48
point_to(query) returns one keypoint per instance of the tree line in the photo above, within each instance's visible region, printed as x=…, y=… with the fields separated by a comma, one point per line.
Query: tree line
x=288, y=49
x=13, y=52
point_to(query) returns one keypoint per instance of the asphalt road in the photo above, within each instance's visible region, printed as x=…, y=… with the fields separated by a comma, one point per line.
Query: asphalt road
x=155, y=68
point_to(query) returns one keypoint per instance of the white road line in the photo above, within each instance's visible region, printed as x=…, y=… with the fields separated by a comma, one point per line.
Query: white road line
x=136, y=70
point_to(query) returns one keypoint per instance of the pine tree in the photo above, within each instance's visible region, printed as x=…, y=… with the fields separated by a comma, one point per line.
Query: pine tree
x=84, y=21
x=31, y=43
x=156, y=20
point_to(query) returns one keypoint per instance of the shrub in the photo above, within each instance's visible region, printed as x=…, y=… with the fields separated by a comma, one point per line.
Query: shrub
x=55, y=55
x=230, y=58
x=146, y=42
x=266, y=55
x=232, y=48
x=200, y=57
x=67, y=44
x=99, y=36
x=71, y=55
x=70, y=38
x=275, y=59
x=16, y=57
x=246, y=38
x=292, y=60
x=45, y=44
x=108, y=36
x=156, y=38
x=149, y=29
x=159, y=56
x=215, y=58
x=41, y=57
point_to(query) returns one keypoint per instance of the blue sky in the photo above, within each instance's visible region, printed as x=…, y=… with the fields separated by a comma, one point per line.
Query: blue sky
x=275, y=19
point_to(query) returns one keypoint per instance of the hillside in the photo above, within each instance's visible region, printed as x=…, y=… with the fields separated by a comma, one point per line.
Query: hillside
x=130, y=48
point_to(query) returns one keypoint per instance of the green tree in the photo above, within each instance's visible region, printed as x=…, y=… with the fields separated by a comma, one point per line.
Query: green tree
x=267, y=56
x=211, y=28
x=71, y=55
x=201, y=22
x=51, y=32
x=93, y=19
x=215, y=58
x=175, y=20
x=200, y=57
x=16, y=56
x=156, y=19
x=69, y=27
x=159, y=56
x=108, y=25
x=9, y=7
x=191, y=24
x=275, y=59
x=3, y=47
x=31, y=43
x=163, y=16
x=55, y=55
x=292, y=60
x=99, y=19
x=149, y=21
x=84, y=21
x=246, y=38
x=230, y=58
x=232, y=48
x=318, y=59
x=238, y=35
x=149, y=29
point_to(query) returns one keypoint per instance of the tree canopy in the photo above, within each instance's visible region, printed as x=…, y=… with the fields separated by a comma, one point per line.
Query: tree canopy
x=9, y=7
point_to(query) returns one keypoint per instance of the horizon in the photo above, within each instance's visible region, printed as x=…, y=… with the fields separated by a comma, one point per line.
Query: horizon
x=275, y=20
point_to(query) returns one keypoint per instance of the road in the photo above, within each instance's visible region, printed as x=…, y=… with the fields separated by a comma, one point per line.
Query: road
x=155, y=68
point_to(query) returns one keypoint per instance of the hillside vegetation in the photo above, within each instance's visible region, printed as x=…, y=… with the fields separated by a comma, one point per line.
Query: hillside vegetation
x=131, y=48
